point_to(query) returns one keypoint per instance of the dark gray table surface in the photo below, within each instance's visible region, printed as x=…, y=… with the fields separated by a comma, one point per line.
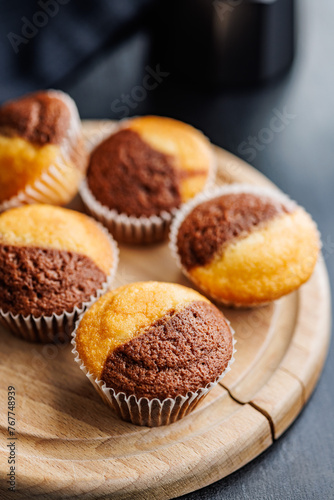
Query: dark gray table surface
x=300, y=160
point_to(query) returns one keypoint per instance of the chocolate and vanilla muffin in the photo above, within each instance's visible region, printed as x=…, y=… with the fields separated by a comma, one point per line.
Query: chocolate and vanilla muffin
x=245, y=246
x=54, y=262
x=42, y=155
x=138, y=176
x=153, y=342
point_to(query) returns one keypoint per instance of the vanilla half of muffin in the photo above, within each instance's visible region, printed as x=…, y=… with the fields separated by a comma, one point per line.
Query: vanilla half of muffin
x=247, y=246
x=51, y=260
x=150, y=165
x=42, y=156
x=154, y=340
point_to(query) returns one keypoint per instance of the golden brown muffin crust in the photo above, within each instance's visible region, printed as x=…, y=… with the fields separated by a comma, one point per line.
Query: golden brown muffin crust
x=214, y=223
x=51, y=259
x=181, y=352
x=41, y=118
x=46, y=226
x=267, y=263
x=191, y=150
x=125, y=313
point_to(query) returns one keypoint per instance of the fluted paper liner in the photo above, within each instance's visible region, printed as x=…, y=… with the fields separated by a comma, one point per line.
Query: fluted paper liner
x=57, y=328
x=131, y=229
x=210, y=194
x=54, y=185
x=125, y=228
x=144, y=411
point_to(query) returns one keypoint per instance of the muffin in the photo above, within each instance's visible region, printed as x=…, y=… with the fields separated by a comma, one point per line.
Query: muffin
x=42, y=156
x=153, y=350
x=245, y=246
x=54, y=262
x=138, y=176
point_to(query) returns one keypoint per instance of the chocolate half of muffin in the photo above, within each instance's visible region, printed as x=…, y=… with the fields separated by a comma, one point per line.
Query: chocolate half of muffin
x=45, y=118
x=45, y=281
x=127, y=175
x=51, y=260
x=215, y=223
x=181, y=352
x=41, y=142
x=41, y=118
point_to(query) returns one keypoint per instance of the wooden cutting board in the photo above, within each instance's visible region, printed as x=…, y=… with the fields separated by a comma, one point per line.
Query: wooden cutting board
x=70, y=445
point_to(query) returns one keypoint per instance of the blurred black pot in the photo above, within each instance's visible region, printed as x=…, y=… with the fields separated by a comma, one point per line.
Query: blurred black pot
x=225, y=41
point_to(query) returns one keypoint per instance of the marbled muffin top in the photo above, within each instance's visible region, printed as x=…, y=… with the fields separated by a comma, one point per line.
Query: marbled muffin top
x=51, y=259
x=247, y=245
x=38, y=132
x=213, y=224
x=154, y=340
x=41, y=118
x=152, y=164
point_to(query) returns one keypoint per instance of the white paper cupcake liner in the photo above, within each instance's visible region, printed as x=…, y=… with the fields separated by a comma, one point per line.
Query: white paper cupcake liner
x=131, y=229
x=210, y=194
x=57, y=328
x=55, y=186
x=125, y=228
x=144, y=411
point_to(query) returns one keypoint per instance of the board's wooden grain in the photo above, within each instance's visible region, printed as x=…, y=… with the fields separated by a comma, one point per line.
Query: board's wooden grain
x=70, y=444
